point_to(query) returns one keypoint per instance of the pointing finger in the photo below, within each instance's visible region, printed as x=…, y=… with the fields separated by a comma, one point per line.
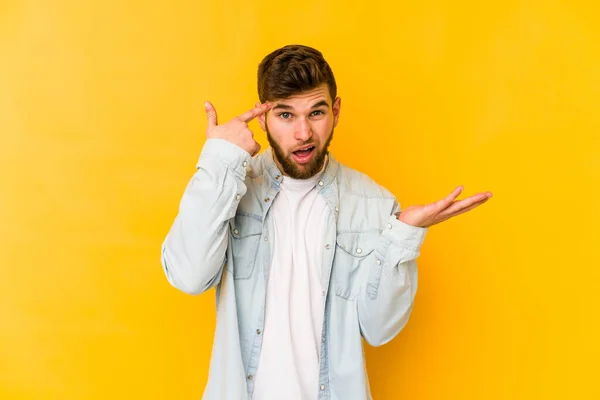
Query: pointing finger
x=255, y=112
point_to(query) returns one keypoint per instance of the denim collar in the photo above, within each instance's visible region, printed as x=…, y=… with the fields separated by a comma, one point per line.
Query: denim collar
x=326, y=186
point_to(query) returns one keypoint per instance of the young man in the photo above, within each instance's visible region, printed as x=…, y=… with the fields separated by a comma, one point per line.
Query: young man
x=308, y=256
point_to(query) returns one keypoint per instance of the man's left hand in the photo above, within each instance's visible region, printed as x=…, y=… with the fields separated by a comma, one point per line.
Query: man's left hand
x=427, y=215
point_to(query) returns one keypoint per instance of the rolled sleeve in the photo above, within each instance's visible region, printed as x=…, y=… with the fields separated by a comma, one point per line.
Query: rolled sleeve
x=232, y=156
x=400, y=243
x=403, y=240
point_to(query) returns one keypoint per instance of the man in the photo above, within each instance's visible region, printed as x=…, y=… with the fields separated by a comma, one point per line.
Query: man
x=308, y=256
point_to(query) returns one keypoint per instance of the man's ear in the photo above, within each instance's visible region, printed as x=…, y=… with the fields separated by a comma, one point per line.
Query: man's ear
x=261, y=118
x=337, y=106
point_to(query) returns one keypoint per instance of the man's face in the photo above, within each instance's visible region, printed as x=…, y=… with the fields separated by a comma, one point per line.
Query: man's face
x=299, y=129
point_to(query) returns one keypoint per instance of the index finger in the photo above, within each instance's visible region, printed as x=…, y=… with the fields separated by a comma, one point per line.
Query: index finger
x=255, y=112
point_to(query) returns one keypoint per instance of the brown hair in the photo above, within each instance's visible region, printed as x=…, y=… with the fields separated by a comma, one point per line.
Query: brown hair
x=293, y=69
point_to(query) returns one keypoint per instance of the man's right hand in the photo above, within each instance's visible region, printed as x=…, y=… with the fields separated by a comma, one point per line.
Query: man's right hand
x=235, y=131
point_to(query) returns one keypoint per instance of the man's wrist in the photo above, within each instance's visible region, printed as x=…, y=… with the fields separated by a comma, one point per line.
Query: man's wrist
x=397, y=214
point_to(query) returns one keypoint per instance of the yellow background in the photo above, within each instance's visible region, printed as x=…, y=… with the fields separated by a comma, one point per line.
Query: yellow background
x=101, y=123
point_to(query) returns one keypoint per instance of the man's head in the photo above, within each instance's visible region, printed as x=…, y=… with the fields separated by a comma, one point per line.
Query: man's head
x=301, y=86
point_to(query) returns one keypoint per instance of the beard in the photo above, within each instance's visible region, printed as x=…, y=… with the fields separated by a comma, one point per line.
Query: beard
x=291, y=168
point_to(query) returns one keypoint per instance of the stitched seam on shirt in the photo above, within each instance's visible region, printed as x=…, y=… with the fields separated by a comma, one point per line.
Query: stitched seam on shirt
x=219, y=160
x=239, y=172
x=249, y=215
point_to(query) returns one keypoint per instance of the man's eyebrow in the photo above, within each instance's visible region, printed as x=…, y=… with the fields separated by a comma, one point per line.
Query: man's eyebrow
x=282, y=107
x=320, y=104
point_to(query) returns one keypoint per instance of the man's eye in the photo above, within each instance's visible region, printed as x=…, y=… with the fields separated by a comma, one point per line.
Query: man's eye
x=285, y=115
x=317, y=112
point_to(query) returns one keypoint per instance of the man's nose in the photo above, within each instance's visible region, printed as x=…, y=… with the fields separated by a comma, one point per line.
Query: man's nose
x=303, y=131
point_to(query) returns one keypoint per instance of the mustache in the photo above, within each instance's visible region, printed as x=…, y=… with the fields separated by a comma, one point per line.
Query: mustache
x=310, y=143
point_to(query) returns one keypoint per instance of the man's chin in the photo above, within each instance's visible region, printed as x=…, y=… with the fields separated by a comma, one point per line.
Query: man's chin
x=303, y=171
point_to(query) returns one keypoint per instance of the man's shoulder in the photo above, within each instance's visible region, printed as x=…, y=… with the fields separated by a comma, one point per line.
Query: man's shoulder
x=355, y=182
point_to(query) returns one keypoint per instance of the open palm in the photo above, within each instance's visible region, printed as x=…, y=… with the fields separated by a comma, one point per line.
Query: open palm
x=434, y=213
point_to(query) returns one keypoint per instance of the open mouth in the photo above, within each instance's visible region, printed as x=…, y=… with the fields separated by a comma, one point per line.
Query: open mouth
x=304, y=155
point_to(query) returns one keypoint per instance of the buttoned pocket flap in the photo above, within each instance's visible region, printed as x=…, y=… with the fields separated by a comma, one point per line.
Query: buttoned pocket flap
x=352, y=253
x=357, y=244
x=245, y=243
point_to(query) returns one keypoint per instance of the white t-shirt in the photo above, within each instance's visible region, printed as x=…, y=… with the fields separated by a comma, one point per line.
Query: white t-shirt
x=289, y=362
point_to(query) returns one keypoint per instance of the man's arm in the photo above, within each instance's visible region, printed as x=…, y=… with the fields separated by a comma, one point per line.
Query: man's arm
x=194, y=251
x=386, y=300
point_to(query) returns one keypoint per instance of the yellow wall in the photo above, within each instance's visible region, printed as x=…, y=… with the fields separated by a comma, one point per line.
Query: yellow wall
x=101, y=122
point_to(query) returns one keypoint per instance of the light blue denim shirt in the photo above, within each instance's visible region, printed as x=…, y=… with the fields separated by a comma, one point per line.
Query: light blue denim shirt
x=221, y=238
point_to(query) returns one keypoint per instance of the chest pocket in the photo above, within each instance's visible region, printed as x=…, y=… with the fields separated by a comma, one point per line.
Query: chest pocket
x=245, y=233
x=353, y=256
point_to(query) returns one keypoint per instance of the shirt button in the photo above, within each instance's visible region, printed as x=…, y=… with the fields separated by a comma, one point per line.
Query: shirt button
x=250, y=377
x=337, y=209
x=258, y=331
x=235, y=231
x=267, y=200
x=320, y=183
x=359, y=250
x=389, y=226
x=245, y=164
x=278, y=177
x=238, y=197
x=378, y=262
x=266, y=239
x=327, y=246
x=322, y=387
x=323, y=340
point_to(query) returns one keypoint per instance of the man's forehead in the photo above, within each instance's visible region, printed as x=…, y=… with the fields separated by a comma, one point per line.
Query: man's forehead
x=312, y=98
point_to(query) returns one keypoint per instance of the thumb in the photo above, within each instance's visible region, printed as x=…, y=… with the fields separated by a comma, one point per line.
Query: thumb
x=211, y=114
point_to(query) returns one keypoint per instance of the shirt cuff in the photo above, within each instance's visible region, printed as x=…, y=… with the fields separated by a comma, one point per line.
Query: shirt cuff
x=233, y=156
x=404, y=236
